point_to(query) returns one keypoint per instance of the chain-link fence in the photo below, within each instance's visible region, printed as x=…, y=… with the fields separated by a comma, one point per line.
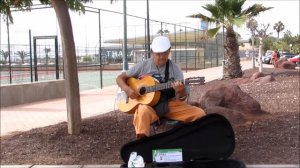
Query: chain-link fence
x=24, y=59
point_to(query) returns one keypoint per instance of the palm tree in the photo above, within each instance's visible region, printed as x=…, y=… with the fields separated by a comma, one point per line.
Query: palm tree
x=22, y=55
x=227, y=14
x=47, y=50
x=70, y=66
x=162, y=32
x=5, y=55
x=252, y=25
x=278, y=27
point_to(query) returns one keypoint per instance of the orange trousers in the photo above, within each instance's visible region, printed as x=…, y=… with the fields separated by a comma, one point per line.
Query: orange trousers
x=145, y=115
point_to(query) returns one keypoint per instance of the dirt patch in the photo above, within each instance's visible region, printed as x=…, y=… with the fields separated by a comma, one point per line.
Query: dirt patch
x=272, y=140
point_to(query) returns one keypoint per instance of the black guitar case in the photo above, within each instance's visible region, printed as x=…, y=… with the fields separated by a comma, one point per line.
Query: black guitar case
x=205, y=143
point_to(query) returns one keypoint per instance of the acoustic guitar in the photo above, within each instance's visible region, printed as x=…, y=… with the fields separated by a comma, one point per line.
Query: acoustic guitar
x=148, y=89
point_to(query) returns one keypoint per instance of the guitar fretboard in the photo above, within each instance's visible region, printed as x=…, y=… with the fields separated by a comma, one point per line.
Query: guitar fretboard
x=158, y=87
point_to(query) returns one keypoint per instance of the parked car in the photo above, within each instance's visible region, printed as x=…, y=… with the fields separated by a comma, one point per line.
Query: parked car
x=287, y=55
x=266, y=59
x=268, y=52
x=295, y=59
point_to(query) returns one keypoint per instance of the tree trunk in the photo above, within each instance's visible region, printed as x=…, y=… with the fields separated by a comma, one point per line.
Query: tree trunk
x=232, y=68
x=70, y=66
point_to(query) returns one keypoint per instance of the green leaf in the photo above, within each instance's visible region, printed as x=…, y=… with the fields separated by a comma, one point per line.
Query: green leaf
x=213, y=32
x=239, y=21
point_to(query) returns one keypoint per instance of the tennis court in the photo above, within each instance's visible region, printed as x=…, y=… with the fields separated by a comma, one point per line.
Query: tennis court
x=88, y=80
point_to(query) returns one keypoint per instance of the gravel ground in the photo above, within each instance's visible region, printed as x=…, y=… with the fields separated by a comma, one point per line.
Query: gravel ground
x=274, y=140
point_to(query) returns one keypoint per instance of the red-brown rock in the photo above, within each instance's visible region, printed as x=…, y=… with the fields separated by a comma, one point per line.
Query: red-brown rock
x=283, y=63
x=230, y=101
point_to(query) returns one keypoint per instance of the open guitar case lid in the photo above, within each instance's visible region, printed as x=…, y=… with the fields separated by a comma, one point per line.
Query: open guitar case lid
x=207, y=142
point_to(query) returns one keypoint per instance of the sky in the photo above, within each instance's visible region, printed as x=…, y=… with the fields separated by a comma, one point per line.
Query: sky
x=85, y=27
x=175, y=11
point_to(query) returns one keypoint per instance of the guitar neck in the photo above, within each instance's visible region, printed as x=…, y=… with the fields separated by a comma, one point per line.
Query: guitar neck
x=159, y=87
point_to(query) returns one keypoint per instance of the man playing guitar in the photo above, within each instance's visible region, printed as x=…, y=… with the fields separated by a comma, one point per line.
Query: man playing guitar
x=170, y=102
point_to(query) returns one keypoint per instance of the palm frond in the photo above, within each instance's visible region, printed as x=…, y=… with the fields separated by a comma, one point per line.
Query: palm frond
x=223, y=7
x=254, y=10
x=203, y=17
x=21, y=5
x=45, y=2
x=237, y=7
x=213, y=32
x=239, y=21
x=77, y=5
x=214, y=10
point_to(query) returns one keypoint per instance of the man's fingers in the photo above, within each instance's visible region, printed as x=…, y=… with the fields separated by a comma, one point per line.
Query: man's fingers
x=178, y=86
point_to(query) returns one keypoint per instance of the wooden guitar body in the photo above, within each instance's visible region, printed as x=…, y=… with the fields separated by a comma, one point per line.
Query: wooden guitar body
x=129, y=105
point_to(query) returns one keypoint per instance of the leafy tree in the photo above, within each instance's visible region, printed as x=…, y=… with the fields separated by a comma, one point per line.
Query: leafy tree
x=22, y=55
x=287, y=37
x=296, y=44
x=5, y=55
x=281, y=46
x=268, y=43
x=87, y=59
x=255, y=41
x=289, y=43
x=70, y=67
x=278, y=27
x=227, y=14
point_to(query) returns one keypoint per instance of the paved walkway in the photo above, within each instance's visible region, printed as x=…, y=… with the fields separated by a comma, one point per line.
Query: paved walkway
x=39, y=114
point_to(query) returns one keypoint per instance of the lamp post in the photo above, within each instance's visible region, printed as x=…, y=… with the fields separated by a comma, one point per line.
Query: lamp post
x=291, y=47
x=0, y=32
x=125, y=63
x=148, y=31
x=8, y=49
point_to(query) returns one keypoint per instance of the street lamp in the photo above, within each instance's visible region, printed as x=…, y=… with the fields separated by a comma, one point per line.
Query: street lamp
x=125, y=63
x=0, y=31
x=148, y=31
x=291, y=47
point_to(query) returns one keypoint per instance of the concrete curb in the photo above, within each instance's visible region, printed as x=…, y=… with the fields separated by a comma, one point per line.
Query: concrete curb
x=117, y=166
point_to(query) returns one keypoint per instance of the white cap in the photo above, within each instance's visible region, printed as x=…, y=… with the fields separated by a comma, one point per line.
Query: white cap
x=160, y=44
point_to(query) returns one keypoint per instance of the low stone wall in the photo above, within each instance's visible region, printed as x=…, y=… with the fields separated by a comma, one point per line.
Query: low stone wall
x=27, y=93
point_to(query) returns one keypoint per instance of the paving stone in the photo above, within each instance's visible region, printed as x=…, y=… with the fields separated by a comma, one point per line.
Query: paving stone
x=15, y=166
x=274, y=166
x=101, y=166
x=57, y=166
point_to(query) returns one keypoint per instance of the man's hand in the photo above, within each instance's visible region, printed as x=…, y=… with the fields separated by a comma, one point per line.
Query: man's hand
x=177, y=86
x=131, y=93
x=121, y=81
x=179, y=89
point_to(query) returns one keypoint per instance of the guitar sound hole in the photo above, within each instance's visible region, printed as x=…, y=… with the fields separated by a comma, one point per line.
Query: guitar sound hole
x=142, y=90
